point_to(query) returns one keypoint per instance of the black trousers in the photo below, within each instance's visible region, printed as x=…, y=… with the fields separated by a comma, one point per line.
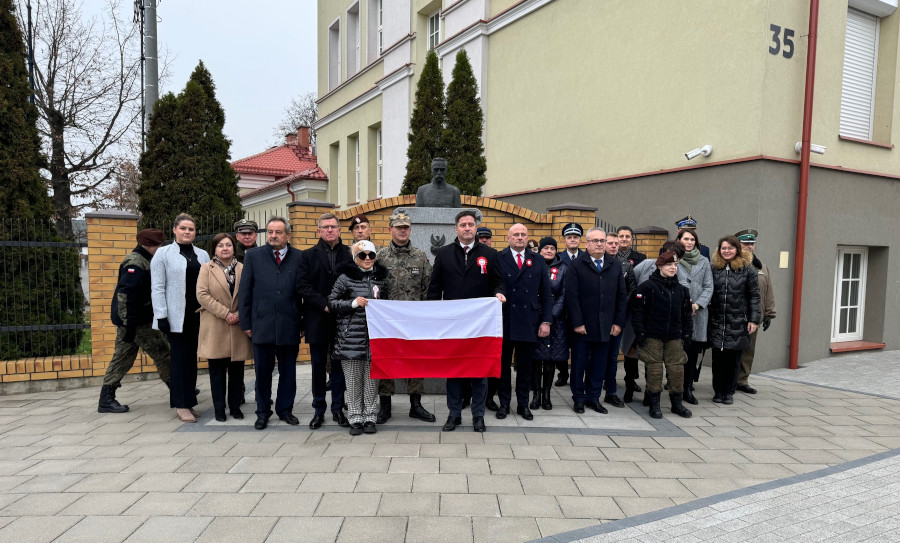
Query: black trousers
x=524, y=353
x=455, y=395
x=264, y=355
x=183, y=367
x=220, y=370
x=690, y=369
x=725, y=365
x=318, y=354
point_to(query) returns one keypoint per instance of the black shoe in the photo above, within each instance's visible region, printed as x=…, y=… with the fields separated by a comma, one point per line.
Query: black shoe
x=536, y=402
x=728, y=399
x=340, y=418
x=491, y=405
x=416, y=411
x=524, y=412
x=108, y=403
x=384, y=414
x=546, y=404
x=356, y=429
x=578, y=407
x=614, y=401
x=655, y=411
x=316, y=421
x=236, y=413
x=261, y=423
x=596, y=407
x=677, y=407
x=689, y=397
x=747, y=389
x=451, y=424
x=502, y=411
x=478, y=424
x=220, y=415
x=369, y=428
x=629, y=391
x=718, y=398
x=562, y=381
x=289, y=418
x=637, y=388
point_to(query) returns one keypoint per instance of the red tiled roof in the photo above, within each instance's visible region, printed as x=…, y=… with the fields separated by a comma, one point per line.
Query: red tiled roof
x=312, y=173
x=280, y=161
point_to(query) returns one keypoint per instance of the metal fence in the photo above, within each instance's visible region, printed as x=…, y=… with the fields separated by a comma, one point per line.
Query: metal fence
x=605, y=225
x=42, y=298
x=210, y=225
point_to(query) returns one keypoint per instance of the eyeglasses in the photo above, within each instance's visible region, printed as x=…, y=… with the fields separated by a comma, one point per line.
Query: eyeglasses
x=596, y=241
x=365, y=256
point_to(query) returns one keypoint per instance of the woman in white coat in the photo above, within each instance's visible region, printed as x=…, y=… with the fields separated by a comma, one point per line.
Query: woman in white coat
x=697, y=277
x=174, y=271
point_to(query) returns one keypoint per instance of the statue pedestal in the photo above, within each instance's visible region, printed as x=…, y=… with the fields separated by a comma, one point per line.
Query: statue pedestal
x=434, y=227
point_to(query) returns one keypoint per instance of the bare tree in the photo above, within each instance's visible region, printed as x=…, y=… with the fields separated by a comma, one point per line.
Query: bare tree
x=88, y=94
x=303, y=111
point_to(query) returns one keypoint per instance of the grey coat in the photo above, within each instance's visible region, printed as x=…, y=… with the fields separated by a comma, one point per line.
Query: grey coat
x=700, y=282
x=168, y=284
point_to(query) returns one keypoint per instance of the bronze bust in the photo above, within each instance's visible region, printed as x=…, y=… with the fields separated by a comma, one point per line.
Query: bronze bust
x=438, y=193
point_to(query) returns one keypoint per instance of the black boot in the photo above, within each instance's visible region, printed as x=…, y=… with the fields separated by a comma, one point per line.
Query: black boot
x=688, y=396
x=677, y=407
x=416, y=411
x=536, y=401
x=655, y=411
x=646, y=401
x=108, y=403
x=545, y=399
x=629, y=391
x=384, y=414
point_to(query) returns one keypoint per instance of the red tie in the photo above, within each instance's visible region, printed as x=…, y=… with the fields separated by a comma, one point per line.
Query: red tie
x=278, y=257
x=519, y=260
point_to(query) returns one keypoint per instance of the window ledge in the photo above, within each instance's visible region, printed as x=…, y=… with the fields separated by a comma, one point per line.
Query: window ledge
x=867, y=142
x=850, y=346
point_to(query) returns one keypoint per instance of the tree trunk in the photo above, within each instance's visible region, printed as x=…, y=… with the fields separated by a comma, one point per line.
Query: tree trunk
x=59, y=177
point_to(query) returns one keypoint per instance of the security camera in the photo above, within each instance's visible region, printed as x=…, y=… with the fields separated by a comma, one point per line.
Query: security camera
x=818, y=149
x=706, y=150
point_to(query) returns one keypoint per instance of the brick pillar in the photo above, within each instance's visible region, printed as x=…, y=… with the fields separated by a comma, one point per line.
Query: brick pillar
x=304, y=216
x=563, y=214
x=649, y=239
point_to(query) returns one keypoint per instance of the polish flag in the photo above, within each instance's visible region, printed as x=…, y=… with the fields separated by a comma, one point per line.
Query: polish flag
x=448, y=338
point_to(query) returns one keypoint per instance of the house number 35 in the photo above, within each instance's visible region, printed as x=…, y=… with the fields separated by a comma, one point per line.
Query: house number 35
x=781, y=43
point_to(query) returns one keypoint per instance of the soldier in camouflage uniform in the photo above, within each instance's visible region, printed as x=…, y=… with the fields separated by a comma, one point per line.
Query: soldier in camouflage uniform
x=410, y=273
x=132, y=314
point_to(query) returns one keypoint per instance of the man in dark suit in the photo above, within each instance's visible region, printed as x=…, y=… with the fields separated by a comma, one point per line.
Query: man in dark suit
x=270, y=313
x=317, y=277
x=595, y=302
x=527, y=314
x=466, y=269
x=572, y=233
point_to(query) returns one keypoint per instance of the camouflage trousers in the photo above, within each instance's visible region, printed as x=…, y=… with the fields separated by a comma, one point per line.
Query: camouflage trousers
x=415, y=385
x=658, y=353
x=153, y=342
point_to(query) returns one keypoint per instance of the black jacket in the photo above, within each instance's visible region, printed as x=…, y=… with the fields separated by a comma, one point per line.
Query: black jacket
x=458, y=276
x=131, y=304
x=734, y=303
x=352, y=340
x=632, y=257
x=555, y=347
x=595, y=299
x=528, y=298
x=268, y=302
x=661, y=309
x=317, y=277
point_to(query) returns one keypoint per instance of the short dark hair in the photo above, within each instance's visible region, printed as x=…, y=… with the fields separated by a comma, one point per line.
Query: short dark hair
x=465, y=213
x=733, y=241
x=218, y=238
x=690, y=231
x=673, y=246
x=630, y=230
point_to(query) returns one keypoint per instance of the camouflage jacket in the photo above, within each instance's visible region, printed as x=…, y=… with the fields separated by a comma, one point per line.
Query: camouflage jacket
x=131, y=300
x=410, y=271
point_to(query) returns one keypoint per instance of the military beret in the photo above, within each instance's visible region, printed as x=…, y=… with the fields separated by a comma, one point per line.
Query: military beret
x=150, y=237
x=358, y=219
x=667, y=257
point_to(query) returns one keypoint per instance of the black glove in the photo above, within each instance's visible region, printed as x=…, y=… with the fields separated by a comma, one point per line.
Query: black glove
x=130, y=332
x=686, y=342
x=163, y=325
x=642, y=341
x=766, y=323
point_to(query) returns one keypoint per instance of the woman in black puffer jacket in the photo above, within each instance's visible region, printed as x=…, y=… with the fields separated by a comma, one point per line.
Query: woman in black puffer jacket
x=359, y=281
x=555, y=347
x=734, y=313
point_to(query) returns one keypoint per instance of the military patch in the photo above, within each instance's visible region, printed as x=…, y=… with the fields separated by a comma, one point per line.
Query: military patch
x=414, y=270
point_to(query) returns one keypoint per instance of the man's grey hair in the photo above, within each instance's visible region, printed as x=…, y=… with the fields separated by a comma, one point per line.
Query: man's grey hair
x=327, y=217
x=595, y=229
x=287, y=225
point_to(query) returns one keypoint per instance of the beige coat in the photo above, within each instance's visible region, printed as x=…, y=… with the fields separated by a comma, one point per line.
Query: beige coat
x=218, y=339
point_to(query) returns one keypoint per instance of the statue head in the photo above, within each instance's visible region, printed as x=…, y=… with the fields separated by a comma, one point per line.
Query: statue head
x=438, y=170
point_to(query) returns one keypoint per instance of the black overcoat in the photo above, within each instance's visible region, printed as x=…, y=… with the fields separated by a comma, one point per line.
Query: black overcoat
x=529, y=301
x=457, y=276
x=268, y=302
x=317, y=277
x=595, y=299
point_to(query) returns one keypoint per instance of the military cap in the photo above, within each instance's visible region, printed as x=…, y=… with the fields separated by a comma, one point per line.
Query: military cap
x=245, y=225
x=687, y=222
x=747, y=236
x=573, y=228
x=667, y=257
x=483, y=232
x=358, y=219
x=399, y=219
x=150, y=237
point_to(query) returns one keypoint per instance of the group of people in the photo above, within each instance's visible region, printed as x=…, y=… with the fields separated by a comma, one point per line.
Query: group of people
x=177, y=303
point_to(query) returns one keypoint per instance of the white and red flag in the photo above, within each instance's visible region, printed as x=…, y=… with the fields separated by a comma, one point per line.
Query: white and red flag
x=448, y=338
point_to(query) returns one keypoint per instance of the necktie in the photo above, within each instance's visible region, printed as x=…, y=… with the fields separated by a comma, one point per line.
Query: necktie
x=278, y=257
x=519, y=260
x=599, y=264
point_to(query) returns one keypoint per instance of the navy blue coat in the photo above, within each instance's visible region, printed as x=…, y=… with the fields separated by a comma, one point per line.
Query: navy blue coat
x=529, y=301
x=317, y=277
x=567, y=258
x=595, y=299
x=457, y=276
x=269, y=303
x=555, y=347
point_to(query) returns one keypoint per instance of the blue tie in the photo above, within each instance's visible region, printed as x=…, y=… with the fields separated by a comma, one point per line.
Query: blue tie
x=599, y=264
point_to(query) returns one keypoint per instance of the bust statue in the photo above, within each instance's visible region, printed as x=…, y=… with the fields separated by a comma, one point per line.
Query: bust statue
x=438, y=193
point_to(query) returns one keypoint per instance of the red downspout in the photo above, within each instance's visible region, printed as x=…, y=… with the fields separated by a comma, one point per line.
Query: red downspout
x=803, y=195
x=293, y=197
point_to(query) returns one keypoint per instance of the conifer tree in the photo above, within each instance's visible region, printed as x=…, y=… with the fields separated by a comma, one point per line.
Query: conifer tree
x=425, y=126
x=462, y=143
x=186, y=167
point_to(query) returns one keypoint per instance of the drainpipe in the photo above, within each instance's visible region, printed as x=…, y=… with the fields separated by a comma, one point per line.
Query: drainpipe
x=293, y=197
x=800, y=243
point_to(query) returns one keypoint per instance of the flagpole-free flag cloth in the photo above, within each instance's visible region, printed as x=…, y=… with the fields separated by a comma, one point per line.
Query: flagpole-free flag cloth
x=448, y=338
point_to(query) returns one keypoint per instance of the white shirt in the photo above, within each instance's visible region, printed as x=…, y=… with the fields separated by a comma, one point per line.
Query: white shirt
x=573, y=255
x=517, y=254
x=594, y=260
x=281, y=252
x=467, y=248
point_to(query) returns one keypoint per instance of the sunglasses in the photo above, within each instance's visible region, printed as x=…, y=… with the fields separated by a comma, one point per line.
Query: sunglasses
x=365, y=256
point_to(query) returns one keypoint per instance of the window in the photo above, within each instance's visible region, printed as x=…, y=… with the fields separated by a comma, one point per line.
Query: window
x=373, y=11
x=379, y=165
x=353, y=45
x=380, y=19
x=849, y=294
x=860, y=63
x=356, y=185
x=334, y=54
x=434, y=30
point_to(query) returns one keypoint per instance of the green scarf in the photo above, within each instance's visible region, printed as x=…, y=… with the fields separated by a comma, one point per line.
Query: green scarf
x=691, y=258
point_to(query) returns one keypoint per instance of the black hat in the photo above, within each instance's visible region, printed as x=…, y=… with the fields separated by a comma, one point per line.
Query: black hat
x=573, y=228
x=687, y=222
x=483, y=232
x=545, y=242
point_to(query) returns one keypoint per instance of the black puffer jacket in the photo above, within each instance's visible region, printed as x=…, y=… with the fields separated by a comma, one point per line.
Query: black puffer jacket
x=555, y=347
x=661, y=309
x=734, y=303
x=352, y=340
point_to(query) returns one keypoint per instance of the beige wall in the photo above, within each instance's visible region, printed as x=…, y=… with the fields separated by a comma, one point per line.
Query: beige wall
x=361, y=122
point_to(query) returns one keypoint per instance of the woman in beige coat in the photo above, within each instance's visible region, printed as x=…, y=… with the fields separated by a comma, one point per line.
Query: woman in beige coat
x=222, y=342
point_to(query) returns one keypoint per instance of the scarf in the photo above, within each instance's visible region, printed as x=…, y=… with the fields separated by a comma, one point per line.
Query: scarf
x=229, y=270
x=624, y=255
x=691, y=258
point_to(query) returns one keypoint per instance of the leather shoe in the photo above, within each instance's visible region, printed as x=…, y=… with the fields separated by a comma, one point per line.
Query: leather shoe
x=369, y=428
x=316, y=421
x=578, y=407
x=747, y=389
x=502, y=411
x=356, y=429
x=491, y=405
x=341, y=419
x=289, y=418
x=614, y=401
x=451, y=424
x=261, y=423
x=237, y=413
x=596, y=407
x=478, y=424
x=728, y=399
x=524, y=412
x=561, y=381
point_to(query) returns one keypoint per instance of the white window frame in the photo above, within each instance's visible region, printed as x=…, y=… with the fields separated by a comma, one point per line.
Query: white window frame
x=353, y=41
x=379, y=165
x=334, y=54
x=851, y=100
x=357, y=187
x=838, y=306
x=434, y=29
x=379, y=24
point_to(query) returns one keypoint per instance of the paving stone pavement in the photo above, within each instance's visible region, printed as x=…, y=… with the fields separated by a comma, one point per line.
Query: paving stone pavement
x=68, y=473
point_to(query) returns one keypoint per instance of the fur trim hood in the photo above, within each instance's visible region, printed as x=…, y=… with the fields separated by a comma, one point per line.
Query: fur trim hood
x=718, y=263
x=351, y=270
